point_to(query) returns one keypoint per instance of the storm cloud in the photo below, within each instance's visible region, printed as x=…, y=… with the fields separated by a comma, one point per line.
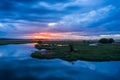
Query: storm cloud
x=78, y=17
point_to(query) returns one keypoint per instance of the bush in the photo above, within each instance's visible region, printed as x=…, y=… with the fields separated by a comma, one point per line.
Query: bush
x=37, y=46
x=111, y=40
x=105, y=40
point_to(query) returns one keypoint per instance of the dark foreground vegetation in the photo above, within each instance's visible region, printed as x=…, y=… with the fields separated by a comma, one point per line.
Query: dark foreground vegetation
x=80, y=51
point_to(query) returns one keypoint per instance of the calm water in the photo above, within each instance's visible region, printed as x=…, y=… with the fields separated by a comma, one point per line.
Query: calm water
x=16, y=64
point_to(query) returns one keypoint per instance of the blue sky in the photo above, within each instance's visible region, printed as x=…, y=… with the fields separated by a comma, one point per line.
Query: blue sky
x=60, y=19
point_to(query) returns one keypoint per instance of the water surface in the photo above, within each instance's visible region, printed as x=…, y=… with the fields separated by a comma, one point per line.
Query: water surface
x=16, y=64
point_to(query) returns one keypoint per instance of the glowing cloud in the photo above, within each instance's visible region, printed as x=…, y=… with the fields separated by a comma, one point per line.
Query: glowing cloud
x=52, y=24
x=46, y=35
x=59, y=19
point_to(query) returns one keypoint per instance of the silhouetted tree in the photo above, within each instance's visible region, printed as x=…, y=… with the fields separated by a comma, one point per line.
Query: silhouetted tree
x=111, y=40
x=71, y=47
x=105, y=40
x=37, y=46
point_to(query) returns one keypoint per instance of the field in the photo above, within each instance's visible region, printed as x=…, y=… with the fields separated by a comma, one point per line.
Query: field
x=101, y=52
x=16, y=41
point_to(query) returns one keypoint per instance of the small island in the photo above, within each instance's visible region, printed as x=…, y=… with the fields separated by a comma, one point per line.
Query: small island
x=103, y=50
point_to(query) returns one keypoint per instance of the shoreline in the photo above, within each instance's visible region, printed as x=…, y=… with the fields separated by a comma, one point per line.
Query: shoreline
x=70, y=57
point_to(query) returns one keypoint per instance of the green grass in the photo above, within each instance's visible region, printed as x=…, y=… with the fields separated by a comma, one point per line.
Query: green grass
x=102, y=52
x=16, y=41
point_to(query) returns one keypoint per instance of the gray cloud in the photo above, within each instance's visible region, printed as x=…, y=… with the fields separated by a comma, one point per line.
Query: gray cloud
x=87, y=17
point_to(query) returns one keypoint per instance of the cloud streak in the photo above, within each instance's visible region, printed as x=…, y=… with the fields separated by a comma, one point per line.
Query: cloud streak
x=79, y=17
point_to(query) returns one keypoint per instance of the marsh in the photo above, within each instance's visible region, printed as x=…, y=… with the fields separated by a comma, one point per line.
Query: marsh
x=16, y=63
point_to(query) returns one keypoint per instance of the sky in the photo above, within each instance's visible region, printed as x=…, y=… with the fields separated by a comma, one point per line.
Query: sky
x=60, y=19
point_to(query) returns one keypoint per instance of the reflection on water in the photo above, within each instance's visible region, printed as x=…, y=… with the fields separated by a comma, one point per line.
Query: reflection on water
x=15, y=63
x=20, y=50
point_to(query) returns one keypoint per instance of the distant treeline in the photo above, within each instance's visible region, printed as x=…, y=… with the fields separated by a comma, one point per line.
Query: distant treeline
x=18, y=41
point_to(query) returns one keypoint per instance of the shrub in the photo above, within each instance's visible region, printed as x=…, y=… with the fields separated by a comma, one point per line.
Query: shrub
x=111, y=40
x=71, y=47
x=105, y=40
x=37, y=46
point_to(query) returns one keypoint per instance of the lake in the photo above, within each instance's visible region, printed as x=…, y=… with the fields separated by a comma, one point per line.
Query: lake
x=16, y=64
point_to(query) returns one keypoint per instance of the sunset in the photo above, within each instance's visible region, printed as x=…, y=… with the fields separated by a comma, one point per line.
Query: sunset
x=46, y=35
x=20, y=18
x=59, y=39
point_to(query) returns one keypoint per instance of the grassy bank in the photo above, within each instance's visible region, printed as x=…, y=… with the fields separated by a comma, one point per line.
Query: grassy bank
x=16, y=41
x=102, y=52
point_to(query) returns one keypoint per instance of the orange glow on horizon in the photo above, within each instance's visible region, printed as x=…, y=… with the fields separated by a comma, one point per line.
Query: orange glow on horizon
x=50, y=35
x=46, y=35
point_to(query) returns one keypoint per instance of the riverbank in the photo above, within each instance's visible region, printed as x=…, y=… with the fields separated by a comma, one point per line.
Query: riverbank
x=17, y=41
x=101, y=52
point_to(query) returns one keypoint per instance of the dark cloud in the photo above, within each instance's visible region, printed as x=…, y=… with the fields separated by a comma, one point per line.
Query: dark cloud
x=87, y=17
